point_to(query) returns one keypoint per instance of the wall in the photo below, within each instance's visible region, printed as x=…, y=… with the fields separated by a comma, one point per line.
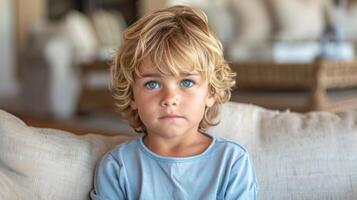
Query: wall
x=147, y=6
x=27, y=13
x=15, y=18
x=7, y=50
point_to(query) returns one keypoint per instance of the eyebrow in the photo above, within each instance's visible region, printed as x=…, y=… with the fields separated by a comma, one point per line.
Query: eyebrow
x=150, y=75
x=159, y=75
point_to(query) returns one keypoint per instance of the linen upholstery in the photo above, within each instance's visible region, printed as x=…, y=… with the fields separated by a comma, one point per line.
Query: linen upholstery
x=38, y=163
x=296, y=156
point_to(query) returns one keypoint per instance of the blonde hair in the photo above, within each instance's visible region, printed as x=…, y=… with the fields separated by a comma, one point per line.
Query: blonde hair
x=173, y=38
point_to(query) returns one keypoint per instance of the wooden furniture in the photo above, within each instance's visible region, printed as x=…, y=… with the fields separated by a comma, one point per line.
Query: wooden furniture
x=320, y=85
x=298, y=86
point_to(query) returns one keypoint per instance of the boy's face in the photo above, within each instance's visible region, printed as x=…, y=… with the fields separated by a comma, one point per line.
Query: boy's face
x=170, y=107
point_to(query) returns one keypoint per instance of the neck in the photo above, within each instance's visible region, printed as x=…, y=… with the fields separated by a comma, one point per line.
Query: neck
x=178, y=146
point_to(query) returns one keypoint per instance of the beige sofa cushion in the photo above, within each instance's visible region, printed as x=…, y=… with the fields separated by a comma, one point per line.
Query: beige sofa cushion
x=45, y=163
x=82, y=35
x=299, y=19
x=109, y=27
x=296, y=156
x=252, y=20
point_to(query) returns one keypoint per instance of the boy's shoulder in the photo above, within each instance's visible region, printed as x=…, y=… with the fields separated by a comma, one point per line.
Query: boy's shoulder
x=229, y=143
x=230, y=146
x=131, y=143
x=123, y=148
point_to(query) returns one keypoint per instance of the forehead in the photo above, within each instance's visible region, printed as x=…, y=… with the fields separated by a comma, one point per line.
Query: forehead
x=148, y=67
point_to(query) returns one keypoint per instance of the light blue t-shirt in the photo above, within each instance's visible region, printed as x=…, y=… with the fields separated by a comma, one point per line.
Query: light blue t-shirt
x=131, y=171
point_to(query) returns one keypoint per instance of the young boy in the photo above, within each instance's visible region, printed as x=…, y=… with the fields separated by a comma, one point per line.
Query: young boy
x=168, y=79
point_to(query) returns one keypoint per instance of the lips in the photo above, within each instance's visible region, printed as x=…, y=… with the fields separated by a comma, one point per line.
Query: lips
x=170, y=116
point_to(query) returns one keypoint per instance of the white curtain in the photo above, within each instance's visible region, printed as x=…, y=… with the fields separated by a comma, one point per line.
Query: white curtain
x=7, y=50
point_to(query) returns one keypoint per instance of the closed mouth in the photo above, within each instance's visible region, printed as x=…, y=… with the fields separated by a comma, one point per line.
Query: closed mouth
x=170, y=116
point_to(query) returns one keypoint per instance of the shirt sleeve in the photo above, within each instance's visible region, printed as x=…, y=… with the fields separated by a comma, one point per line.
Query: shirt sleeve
x=242, y=182
x=109, y=180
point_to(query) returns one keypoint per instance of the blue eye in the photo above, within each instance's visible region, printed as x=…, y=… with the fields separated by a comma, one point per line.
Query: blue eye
x=152, y=85
x=186, y=83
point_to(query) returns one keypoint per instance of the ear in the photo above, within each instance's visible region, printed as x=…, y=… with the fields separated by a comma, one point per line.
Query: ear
x=210, y=100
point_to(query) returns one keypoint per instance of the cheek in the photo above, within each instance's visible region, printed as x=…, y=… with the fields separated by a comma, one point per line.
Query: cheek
x=145, y=110
x=139, y=95
x=196, y=101
x=145, y=103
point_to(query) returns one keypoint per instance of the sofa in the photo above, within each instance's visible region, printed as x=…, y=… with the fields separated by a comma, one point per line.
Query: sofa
x=296, y=156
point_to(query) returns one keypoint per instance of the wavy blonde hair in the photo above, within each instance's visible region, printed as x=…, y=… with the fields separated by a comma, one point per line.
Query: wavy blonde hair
x=174, y=38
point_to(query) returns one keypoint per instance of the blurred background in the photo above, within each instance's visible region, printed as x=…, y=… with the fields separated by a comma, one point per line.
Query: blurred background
x=294, y=55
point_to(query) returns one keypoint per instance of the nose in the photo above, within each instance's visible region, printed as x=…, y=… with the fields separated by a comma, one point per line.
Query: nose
x=169, y=98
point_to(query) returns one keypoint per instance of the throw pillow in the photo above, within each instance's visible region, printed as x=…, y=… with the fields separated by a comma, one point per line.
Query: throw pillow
x=253, y=21
x=37, y=163
x=109, y=26
x=82, y=34
x=298, y=19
